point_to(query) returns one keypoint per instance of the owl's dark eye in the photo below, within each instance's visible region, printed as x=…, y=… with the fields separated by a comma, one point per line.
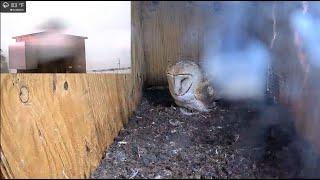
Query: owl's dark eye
x=184, y=85
x=183, y=79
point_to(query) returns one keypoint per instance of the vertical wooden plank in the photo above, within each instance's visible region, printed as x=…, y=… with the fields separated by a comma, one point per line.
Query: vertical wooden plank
x=171, y=31
x=63, y=130
x=59, y=125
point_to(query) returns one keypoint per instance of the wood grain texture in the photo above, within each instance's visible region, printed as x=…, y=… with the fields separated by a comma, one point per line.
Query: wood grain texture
x=171, y=31
x=59, y=125
x=60, y=131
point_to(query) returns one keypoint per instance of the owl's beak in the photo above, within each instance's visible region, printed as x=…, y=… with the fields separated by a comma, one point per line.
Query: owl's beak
x=169, y=74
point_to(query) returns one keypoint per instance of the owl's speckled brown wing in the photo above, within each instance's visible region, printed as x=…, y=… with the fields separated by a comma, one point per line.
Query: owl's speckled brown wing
x=205, y=93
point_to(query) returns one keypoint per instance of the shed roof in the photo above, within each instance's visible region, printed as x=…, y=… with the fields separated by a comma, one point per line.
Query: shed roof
x=47, y=32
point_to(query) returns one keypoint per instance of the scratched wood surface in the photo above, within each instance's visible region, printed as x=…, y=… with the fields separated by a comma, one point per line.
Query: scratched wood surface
x=59, y=125
x=299, y=87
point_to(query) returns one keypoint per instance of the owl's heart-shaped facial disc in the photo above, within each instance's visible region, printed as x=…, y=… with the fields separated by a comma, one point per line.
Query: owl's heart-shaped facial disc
x=182, y=84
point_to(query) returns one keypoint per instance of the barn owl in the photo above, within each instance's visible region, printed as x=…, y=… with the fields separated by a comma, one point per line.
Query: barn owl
x=189, y=87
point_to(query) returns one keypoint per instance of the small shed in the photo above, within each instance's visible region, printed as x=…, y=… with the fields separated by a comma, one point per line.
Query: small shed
x=48, y=52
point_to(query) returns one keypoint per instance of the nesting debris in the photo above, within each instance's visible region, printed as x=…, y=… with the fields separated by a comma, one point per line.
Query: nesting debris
x=164, y=143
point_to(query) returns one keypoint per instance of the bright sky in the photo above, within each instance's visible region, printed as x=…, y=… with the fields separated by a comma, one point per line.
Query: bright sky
x=107, y=24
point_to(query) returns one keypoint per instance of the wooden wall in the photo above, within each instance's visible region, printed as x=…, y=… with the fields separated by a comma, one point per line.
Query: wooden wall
x=171, y=30
x=181, y=30
x=176, y=30
x=59, y=125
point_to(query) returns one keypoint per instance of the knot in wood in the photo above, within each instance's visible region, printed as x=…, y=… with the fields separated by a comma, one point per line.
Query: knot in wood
x=24, y=94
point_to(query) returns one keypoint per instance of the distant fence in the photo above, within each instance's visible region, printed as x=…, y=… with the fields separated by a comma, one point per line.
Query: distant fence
x=114, y=70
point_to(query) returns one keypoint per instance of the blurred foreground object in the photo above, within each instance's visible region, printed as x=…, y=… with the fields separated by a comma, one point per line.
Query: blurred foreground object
x=241, y=73
x=189, y=87
x=306, y=100
x=4, y=64
x=53, y=24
